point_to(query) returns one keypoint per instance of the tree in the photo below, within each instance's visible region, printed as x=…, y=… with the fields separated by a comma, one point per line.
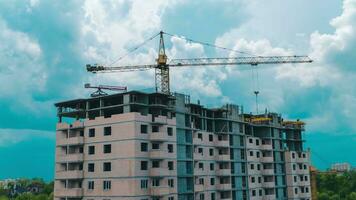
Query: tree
x=334, y=186
x=25, y=196
x=335, y=197
x=50, y=196
x=3, y=192
x=3, y=197
x=41, y=197
x=48, y=188
x=351, y=196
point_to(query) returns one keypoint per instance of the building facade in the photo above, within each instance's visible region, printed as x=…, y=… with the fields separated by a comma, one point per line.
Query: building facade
x=341, y=167
x=150, y=146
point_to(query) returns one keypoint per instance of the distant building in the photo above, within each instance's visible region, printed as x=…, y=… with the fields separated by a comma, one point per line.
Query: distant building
x=341, y=167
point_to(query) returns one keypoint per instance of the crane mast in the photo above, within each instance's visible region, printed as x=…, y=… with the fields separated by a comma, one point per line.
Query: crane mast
x=162, y=80
x=162, y=69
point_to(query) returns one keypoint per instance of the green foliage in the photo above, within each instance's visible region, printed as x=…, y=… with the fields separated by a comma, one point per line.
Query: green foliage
x=50, y=196
x=337, y=186
x=41, y=197
x=25, y=196
x=3, y=197
x=351, y=196
x=45, y=194
x=3, y=192
x=48, y=188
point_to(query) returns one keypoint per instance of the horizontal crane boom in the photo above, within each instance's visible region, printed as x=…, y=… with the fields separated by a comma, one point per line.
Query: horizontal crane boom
x=127, y=68
x=240, y=61
x=206, y=61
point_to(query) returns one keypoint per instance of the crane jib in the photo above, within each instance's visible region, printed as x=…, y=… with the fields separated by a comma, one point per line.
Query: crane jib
x=162, y=67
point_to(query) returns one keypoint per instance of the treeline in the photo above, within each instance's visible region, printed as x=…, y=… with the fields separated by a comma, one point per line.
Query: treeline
x=26, y=189
x=337, y=186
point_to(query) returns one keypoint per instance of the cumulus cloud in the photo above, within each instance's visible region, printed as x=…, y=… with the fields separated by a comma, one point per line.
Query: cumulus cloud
x=339, y=47
x=100, y=31
x=110, y=29
x=22, y=69
x=105, y=37
x=322, y=93
x=198, y=81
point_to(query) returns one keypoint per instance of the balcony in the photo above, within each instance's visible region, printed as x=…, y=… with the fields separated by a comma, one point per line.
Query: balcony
x=159, y=172
x=77, y=124
x=71, y=141
x=159, y=136
x=159, y=120
x=198, y=188
x=266, y=147
x=267, y=159
x=304, y=195
x=269, y=197
x=268, y=172
x=302, y=171
x=303, y=183
x=222, y=143
x=302, y=160
x=226, y=186
x=72, y=174
x=62, y=126
x=223, y=157
x=223, y=172
x=159, y=191
x=78, y=157
x=69, y=192
x=158, y=154
x=268, y=184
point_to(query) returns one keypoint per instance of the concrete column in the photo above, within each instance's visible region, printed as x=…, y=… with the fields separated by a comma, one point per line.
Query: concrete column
x=126, y=103
x=78, y=108
x=87, y=109
x=60, y=109
x=101, y=107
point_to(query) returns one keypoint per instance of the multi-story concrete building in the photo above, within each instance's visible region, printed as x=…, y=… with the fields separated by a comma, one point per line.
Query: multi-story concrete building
x=149, y=146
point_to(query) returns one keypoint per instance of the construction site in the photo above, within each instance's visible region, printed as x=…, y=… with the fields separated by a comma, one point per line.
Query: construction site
x=160, y=145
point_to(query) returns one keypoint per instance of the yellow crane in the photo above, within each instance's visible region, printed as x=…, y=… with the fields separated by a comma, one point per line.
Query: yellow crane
x=162, y=67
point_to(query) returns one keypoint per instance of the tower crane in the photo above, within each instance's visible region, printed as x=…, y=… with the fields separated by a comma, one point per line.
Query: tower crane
x=100, y=88
x=162, y=66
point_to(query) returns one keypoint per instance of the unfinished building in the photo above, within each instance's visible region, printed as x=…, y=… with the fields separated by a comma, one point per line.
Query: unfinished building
x=150, y=146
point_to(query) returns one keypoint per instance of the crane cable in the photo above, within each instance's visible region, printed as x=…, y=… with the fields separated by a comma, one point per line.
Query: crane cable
x=254, y=67
x=207, y=44
x=257, y=89
x=176, y=36
x=255, y=84
x=134, y=49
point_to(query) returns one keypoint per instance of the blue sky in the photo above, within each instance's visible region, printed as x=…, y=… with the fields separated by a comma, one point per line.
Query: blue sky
x=46, y=44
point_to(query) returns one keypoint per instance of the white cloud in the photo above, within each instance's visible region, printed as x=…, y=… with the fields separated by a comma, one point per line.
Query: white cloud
x=21, y=67
x=199, y=81
x=109, y=29
x=34, y=3
x=327, y=86
x=105, y=37
x=10, y=137
x=327, y=48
